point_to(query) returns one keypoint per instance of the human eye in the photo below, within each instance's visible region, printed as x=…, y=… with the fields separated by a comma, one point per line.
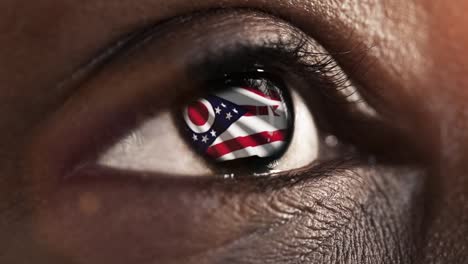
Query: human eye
x=246, y=124
x=273, y=102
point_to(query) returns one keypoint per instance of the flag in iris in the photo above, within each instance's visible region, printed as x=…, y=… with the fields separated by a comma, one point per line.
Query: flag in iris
x=239, y=122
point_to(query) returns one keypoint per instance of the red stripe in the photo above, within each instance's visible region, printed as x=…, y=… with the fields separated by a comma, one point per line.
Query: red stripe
x=272, y=96
x=253, y=110
x=238, y=143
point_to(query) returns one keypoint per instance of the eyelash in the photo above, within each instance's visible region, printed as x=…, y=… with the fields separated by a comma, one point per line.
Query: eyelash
x=325, y=82
x=278, y=60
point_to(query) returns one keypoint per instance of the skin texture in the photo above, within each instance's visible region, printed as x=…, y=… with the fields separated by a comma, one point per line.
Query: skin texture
x=398, y=212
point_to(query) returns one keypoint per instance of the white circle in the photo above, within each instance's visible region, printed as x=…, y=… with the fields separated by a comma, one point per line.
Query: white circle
x=209, y=123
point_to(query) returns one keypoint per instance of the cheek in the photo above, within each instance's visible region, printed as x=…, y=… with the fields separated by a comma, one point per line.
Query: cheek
x=313, y=218
x=364, y=216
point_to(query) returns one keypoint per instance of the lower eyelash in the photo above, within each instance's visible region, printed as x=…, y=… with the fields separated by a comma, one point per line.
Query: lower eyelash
x=293, y=177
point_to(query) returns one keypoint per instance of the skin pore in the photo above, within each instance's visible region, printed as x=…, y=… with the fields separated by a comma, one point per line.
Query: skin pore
x=55, y=74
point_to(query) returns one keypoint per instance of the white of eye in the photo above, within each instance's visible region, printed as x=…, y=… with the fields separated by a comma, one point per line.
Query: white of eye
x=304, y=146
x=156, y=146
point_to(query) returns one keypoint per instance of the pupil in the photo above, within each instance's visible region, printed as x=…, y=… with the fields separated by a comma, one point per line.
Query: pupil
x=247, y=119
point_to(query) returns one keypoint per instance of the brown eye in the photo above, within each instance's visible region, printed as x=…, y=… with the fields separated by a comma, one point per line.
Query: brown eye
x=242, y=125
x=246, y=118
x=225, y=116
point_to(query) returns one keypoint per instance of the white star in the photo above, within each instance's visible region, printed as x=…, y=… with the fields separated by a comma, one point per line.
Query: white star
x=235, y=111
x=228, y=116
x=223, y=105
x=218, y=110
x=204, y=139
x=213, y=133
x=195, y=138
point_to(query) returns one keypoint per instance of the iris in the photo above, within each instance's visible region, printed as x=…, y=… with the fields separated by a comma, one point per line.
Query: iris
x=250, y=117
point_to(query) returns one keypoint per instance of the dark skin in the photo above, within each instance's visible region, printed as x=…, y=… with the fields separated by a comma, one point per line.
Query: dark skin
x=411, y=209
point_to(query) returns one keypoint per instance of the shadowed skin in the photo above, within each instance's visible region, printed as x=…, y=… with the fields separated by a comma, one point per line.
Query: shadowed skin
x=416, y=212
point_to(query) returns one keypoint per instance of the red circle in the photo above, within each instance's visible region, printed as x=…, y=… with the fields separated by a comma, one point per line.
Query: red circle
x=198, y=113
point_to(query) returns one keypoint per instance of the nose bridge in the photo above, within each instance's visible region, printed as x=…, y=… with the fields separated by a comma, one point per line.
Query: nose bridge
x=446, y=202
x=445, y=222
x=445, y=219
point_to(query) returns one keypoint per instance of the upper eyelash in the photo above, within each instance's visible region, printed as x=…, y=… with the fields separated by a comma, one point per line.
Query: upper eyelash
x=296, y=51
x=323, y=70
x=328, y=67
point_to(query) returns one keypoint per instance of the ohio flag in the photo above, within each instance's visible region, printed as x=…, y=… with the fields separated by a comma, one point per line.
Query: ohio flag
x=238, y=122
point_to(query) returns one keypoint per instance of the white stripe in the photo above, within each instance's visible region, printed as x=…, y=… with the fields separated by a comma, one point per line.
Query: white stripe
x=261, y=151
x=248, y=125
x=242, y=96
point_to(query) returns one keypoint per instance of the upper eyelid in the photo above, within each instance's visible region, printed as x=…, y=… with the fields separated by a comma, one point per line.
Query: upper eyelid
x=133, y=40
x=140, y=36
x=130, y=43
